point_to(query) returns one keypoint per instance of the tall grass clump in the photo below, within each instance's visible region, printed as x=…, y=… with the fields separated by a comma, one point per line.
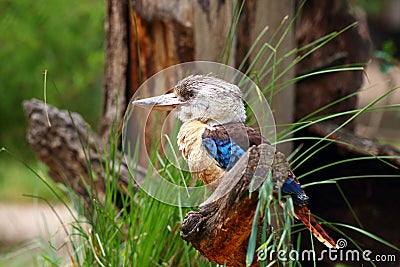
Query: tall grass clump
x=126, y=228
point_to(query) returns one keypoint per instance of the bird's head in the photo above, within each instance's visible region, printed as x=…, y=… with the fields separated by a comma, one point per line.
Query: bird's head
x=205, y=98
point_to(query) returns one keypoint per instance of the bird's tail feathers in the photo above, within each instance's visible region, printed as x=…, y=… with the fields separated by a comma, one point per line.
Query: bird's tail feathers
x=304, y=215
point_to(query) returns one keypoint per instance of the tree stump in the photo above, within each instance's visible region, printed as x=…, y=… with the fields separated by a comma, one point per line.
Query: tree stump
x=221, y=228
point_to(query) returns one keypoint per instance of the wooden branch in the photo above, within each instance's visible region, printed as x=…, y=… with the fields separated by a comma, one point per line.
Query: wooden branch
x=71, y=150
x=352, y=143
x=221, y=228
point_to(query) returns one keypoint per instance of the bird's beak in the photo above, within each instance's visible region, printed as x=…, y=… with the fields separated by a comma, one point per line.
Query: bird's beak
x=165, y=102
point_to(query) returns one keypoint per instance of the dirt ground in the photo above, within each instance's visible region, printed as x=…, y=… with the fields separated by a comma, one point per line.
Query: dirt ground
x=26, y=221
x=26, y=230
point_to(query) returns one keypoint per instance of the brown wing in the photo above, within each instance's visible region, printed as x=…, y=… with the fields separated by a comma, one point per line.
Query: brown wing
x=241, y=134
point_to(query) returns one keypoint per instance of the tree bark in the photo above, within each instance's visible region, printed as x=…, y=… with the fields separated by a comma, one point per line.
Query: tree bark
x=221, y=228
x=116, y=66
x=318, y=19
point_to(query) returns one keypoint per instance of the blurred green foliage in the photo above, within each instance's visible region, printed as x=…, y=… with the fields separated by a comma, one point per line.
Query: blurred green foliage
x=64, y=37
x=373, y=8
x=18, y=180
x=386, y=56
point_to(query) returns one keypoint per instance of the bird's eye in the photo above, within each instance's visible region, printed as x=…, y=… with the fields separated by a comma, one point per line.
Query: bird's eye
x=190, y=95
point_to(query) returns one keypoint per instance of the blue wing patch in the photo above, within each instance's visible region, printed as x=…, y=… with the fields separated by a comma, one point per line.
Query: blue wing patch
x=226, y=152
x=292, y=187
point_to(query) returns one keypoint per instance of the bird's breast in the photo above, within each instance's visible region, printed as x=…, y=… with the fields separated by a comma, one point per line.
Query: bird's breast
x=201, y=164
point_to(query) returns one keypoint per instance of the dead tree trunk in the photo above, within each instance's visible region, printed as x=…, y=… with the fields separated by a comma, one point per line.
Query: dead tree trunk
x=318, y=19
x=221, y=229
x=256, y=16
x=116, y=66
